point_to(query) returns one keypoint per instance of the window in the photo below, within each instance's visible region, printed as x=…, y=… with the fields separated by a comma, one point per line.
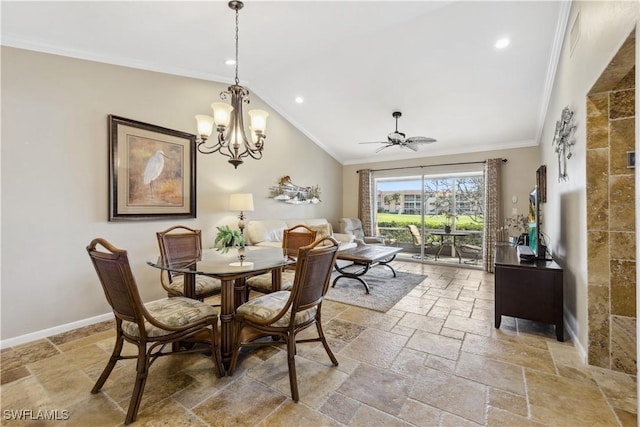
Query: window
x=432, y=201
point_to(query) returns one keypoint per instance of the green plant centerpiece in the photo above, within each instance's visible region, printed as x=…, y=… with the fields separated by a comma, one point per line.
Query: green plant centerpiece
x=229, y=238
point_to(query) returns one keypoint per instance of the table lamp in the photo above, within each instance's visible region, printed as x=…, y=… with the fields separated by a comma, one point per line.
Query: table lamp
x=241, y=202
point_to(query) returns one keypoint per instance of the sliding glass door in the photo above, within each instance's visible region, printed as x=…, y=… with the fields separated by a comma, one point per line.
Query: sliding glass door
x=437, y=217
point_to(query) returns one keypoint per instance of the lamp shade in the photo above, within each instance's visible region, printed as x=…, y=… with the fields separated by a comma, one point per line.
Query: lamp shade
x=221, y=113
x=241, y=202
x=258, y=120
x=205, y=125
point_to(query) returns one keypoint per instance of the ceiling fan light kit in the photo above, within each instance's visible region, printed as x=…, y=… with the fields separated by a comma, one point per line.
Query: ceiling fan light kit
x=399, y=139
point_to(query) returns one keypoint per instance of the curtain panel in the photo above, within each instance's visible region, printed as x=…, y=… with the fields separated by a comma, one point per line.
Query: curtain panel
x=492, y=210
x=364, y=201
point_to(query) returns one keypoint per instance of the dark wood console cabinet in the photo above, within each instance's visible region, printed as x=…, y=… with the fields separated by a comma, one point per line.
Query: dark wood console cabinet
x=529, y=290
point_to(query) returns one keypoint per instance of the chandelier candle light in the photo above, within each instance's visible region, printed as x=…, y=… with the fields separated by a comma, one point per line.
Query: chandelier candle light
x=232, y=141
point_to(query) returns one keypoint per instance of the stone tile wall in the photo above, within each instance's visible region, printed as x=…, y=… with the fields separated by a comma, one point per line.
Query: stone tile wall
x=611, y=221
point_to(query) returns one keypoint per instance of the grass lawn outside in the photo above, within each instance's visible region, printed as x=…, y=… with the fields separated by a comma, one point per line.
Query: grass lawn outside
x=394, y=226
x=436, y=222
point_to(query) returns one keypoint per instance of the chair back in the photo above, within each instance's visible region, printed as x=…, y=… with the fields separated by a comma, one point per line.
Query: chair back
x=296, y=237
x=117, y=281
x=313, y=272
x=415, y=233
x=180, y=243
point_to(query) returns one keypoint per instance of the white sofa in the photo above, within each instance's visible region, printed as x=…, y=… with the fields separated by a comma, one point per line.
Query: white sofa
x=268, y=232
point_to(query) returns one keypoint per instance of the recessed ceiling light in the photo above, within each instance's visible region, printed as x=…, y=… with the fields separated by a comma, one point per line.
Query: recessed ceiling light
x=230, y=62
x=299, y=99
x=502, y=43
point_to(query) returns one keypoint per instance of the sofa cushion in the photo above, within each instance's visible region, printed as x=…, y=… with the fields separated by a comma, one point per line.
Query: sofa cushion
x=308, y=222
x=269, y=232
x=268, y=244
x=322, y=231
x=265, y=231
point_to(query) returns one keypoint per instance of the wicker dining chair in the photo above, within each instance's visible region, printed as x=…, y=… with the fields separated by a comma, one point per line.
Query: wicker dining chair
x=149, y=326
x=180, y=243
x=284, y=314
x=292, y=239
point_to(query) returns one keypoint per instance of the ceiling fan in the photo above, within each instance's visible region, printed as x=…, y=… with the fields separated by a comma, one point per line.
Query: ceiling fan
x=399, y=139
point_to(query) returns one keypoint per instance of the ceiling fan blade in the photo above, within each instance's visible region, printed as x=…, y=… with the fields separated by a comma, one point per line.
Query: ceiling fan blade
x=374, y=142
x=411, y=146
x=419, y=140
x=382, y=148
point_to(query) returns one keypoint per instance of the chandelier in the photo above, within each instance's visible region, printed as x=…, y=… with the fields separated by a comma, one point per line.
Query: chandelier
x=227, y=119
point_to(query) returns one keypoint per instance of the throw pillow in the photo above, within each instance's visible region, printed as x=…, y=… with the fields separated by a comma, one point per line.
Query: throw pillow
x=322, y=230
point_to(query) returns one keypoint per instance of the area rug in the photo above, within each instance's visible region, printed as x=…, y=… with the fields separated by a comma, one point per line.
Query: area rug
x=385, y=290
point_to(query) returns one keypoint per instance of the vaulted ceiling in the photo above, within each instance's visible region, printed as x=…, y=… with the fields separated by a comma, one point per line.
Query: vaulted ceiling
x=353, y=62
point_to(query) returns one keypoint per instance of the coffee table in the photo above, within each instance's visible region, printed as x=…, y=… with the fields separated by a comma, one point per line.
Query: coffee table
x=364, y=257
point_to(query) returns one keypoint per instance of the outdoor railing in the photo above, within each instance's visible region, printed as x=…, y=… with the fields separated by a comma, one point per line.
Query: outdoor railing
x=402, y=236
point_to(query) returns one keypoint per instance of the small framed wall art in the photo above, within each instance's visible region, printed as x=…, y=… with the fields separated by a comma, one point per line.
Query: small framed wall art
x=541, y=182
x=152, y=172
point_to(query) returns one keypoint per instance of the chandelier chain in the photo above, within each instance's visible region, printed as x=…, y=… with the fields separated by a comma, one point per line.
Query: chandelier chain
x=237, y=21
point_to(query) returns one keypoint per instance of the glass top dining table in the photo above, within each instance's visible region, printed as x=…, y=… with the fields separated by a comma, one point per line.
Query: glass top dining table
x=232, y=272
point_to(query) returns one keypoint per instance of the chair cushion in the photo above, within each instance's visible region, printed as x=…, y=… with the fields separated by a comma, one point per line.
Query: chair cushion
x=177, y=311
x=267, y=306
x=204, y=285
x=263, y=281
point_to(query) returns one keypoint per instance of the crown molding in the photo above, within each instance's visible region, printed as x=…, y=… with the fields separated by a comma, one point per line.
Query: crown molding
x=10, y=40
x=552, y=67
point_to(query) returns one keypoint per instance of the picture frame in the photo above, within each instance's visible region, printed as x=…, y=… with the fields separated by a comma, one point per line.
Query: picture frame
x=152, y=172
x=541, y=183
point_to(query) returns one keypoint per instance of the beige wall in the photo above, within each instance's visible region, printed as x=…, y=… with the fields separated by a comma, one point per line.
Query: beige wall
x=519, y=175
x=55, y=186
x=604, y=27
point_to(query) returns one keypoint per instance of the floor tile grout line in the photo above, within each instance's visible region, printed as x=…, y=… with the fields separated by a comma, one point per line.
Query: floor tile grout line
x=526, y=394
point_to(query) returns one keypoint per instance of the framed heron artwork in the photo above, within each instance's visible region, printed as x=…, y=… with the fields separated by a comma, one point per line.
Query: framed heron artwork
x=152, y=171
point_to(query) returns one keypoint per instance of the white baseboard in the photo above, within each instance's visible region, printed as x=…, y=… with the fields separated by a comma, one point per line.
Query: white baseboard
x=569, y=325
x=33, y=336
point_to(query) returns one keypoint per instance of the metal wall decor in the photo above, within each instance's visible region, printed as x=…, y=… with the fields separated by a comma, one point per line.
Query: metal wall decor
x=288, y=192
x=562, y=141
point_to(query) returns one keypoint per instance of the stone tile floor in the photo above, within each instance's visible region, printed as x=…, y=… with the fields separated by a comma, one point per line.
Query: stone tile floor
x=435, y=359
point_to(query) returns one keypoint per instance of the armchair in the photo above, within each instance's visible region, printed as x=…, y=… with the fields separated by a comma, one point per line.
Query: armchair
x=150, y=327
x=293, y=239
x=353, y=226
x=284, y=314
x=177, y=243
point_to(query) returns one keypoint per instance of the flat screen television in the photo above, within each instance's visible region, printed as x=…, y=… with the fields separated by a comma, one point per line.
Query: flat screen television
x=534, y=224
